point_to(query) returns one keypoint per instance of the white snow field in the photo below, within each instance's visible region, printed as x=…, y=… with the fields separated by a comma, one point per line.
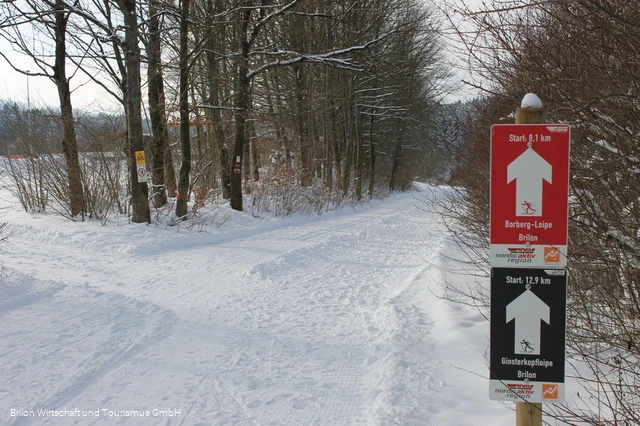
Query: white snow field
x=322, y=320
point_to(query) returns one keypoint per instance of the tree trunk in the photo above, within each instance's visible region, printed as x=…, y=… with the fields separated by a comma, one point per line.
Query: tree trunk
x=328, y=138
x=139, y=190
x=303, y=125
x=349, y=120
x=281, y=133
x=397, y=153
x=69, y=143
x=242, y=99
x=169, y=169
x=255, y=160
x=357, y=156
x=336, y=151
x=157, y=111
x=246, y=158
x=185, y=140
x=213, y=75
x=254, y=164
x=372, y=159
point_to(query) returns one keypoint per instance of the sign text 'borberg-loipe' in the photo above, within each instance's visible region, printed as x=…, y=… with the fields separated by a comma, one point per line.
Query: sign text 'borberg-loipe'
x=529, y=195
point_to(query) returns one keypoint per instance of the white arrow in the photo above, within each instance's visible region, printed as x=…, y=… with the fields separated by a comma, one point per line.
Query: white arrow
x=527, y=309
x=529, y=169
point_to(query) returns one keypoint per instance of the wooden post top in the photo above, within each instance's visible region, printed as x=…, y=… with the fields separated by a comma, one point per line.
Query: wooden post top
x=531, y=110
x=529, y=116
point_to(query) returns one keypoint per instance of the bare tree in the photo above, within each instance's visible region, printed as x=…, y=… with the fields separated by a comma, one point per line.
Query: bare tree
x=578, y=57
x=50, y=18
x=133, y=100
x=255, y=48
x=157, y=111
x=214, y=45
x=185, y=136
x=253, y=68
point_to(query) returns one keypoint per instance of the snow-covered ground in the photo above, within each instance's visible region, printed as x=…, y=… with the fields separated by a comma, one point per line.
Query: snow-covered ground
x=323, y=320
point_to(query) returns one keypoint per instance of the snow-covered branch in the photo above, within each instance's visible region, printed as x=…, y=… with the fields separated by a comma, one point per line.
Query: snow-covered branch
x=328, y=58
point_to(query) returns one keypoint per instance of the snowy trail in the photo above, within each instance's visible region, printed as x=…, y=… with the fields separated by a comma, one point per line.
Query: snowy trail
x=300, y=322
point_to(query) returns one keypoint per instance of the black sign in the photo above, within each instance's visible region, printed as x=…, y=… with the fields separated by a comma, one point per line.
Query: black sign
x=528, y=323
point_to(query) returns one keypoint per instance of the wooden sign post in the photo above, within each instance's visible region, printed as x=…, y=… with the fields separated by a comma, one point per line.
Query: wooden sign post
x=528, y=253
x=527, y=413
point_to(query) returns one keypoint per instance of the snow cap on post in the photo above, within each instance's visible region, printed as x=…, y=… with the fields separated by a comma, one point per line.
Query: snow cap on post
x=530, y=111
x=531, y=100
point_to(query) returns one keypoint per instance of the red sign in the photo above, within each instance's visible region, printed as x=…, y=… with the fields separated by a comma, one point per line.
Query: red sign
x=529, y=195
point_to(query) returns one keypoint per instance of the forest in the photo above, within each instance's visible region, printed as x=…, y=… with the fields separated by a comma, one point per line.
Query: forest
x=336, y=97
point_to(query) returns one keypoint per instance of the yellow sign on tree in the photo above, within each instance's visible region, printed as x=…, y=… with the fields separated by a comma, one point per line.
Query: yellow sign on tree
x=140, y=157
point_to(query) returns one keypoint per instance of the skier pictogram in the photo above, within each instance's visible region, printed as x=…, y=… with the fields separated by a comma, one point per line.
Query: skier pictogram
x=528, y=207
x=526, y=346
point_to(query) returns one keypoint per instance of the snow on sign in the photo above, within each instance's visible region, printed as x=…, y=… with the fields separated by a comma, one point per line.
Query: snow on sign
x=528, y=323
x=529, y=195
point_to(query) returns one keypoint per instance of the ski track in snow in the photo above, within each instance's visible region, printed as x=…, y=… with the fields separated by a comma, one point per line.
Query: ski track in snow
x=307, y=323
